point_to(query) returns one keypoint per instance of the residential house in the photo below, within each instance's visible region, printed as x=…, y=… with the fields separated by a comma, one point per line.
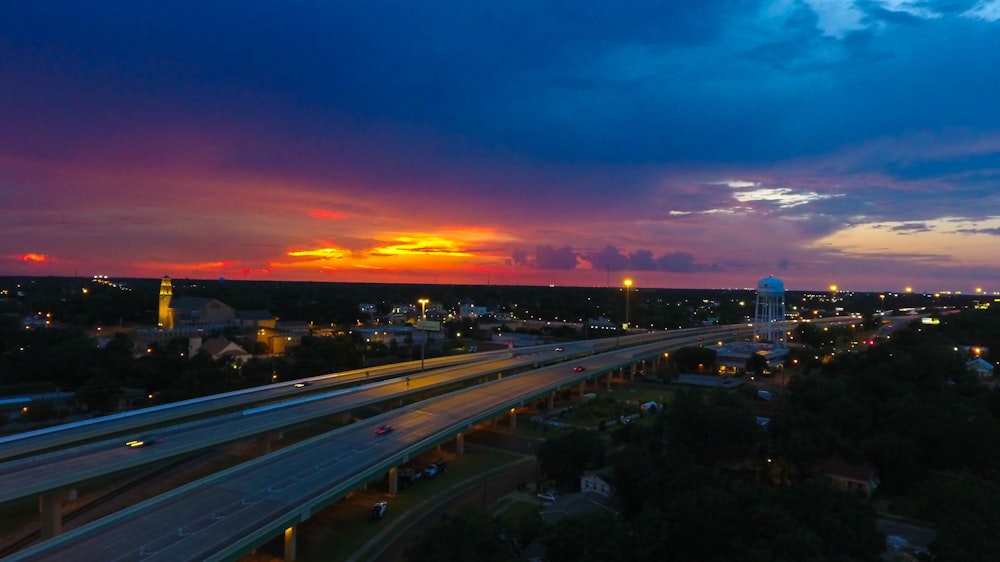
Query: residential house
x=220, y=347
x=859, y=477
x=980, y=367
x=597, y=482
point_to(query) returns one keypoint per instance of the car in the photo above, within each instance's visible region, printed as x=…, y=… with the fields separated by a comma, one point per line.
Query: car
x=547, y=496
x=379, y=509
x=142, y=442
x=383, y=429
x=559, y=349
x=441, y=464
x=302, y=384
x=431, y=471
x=578, y=368
x=407, y=476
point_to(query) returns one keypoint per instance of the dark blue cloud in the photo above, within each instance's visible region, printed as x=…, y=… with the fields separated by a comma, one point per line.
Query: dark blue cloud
x=642, y=260
x=608, y=259
x=550, y=257
x=679, y=262
x=633, y=82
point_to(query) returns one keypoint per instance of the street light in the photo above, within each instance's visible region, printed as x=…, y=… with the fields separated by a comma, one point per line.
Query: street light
x=423, y=318
x=628, y=285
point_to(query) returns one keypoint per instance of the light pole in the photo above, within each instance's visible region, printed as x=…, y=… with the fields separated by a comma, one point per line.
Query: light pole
x=628, y=285
x=423, y=318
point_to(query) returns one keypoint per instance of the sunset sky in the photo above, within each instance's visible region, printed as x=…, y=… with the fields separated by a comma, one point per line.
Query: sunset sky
x=682, y=144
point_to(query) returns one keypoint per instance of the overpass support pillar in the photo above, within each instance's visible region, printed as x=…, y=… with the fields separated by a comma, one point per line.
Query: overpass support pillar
x=631, y=372
x=50, y=506
x=513, y=419
x=393, y=480
x=290, y=543
x=264, y=441
x=583, y=387
x=552, y=400
x=460, y=444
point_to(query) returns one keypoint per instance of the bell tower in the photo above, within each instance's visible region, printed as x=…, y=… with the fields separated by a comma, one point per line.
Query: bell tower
x=166, y=319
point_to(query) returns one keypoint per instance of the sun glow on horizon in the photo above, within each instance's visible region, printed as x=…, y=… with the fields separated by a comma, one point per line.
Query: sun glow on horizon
x=324, y=253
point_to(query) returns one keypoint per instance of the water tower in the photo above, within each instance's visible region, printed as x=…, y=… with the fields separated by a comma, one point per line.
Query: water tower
x=769, y=318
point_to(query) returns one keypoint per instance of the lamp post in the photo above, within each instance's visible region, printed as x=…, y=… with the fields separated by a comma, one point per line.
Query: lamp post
x=423, y=318
x=628, y=285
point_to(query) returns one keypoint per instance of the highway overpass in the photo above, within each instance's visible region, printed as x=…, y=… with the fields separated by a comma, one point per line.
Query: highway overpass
x=328, y=466
x=228, y=514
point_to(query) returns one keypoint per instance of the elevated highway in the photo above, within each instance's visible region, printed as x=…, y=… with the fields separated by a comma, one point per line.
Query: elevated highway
x=66, y=435
x=105, y=427
x=263, y=414
x=419, y=427
x=226, y=515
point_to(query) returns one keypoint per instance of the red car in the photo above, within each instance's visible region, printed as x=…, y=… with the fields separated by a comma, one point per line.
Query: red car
x=578, y=368
x=383, y=429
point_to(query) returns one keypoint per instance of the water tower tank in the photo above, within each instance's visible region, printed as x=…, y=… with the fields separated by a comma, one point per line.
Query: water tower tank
x=771, y=286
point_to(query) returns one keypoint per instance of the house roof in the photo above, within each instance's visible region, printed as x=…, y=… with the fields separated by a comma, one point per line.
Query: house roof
x=254, y=315
x=221, y=346
x=838, y=467
x=189, y=303
x=979, y=364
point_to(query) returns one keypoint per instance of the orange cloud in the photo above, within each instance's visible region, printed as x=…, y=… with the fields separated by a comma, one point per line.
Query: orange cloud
x=188, y=267
x=429, y=245
x=33, y=257
x=322, y=253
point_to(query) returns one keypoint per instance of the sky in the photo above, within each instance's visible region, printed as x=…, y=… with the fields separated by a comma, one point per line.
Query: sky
x=679, y=144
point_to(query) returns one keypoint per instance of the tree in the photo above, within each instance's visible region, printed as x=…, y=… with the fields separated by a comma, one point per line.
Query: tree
x=693, y=359
x=470, y=535
x=966, y=508
x=717, y=434
x=565, y=457
x=100, y=394
x=594, y=536
x=757, y=364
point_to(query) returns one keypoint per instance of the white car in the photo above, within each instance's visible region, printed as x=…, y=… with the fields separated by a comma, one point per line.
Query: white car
x=546, y=496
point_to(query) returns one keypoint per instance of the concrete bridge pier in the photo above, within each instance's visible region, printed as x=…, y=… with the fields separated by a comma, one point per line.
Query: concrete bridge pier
x=264, y=441
x=50, y=506
x=291, y=543
x=460, y=444
x=513, y=419
x=393, y=480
